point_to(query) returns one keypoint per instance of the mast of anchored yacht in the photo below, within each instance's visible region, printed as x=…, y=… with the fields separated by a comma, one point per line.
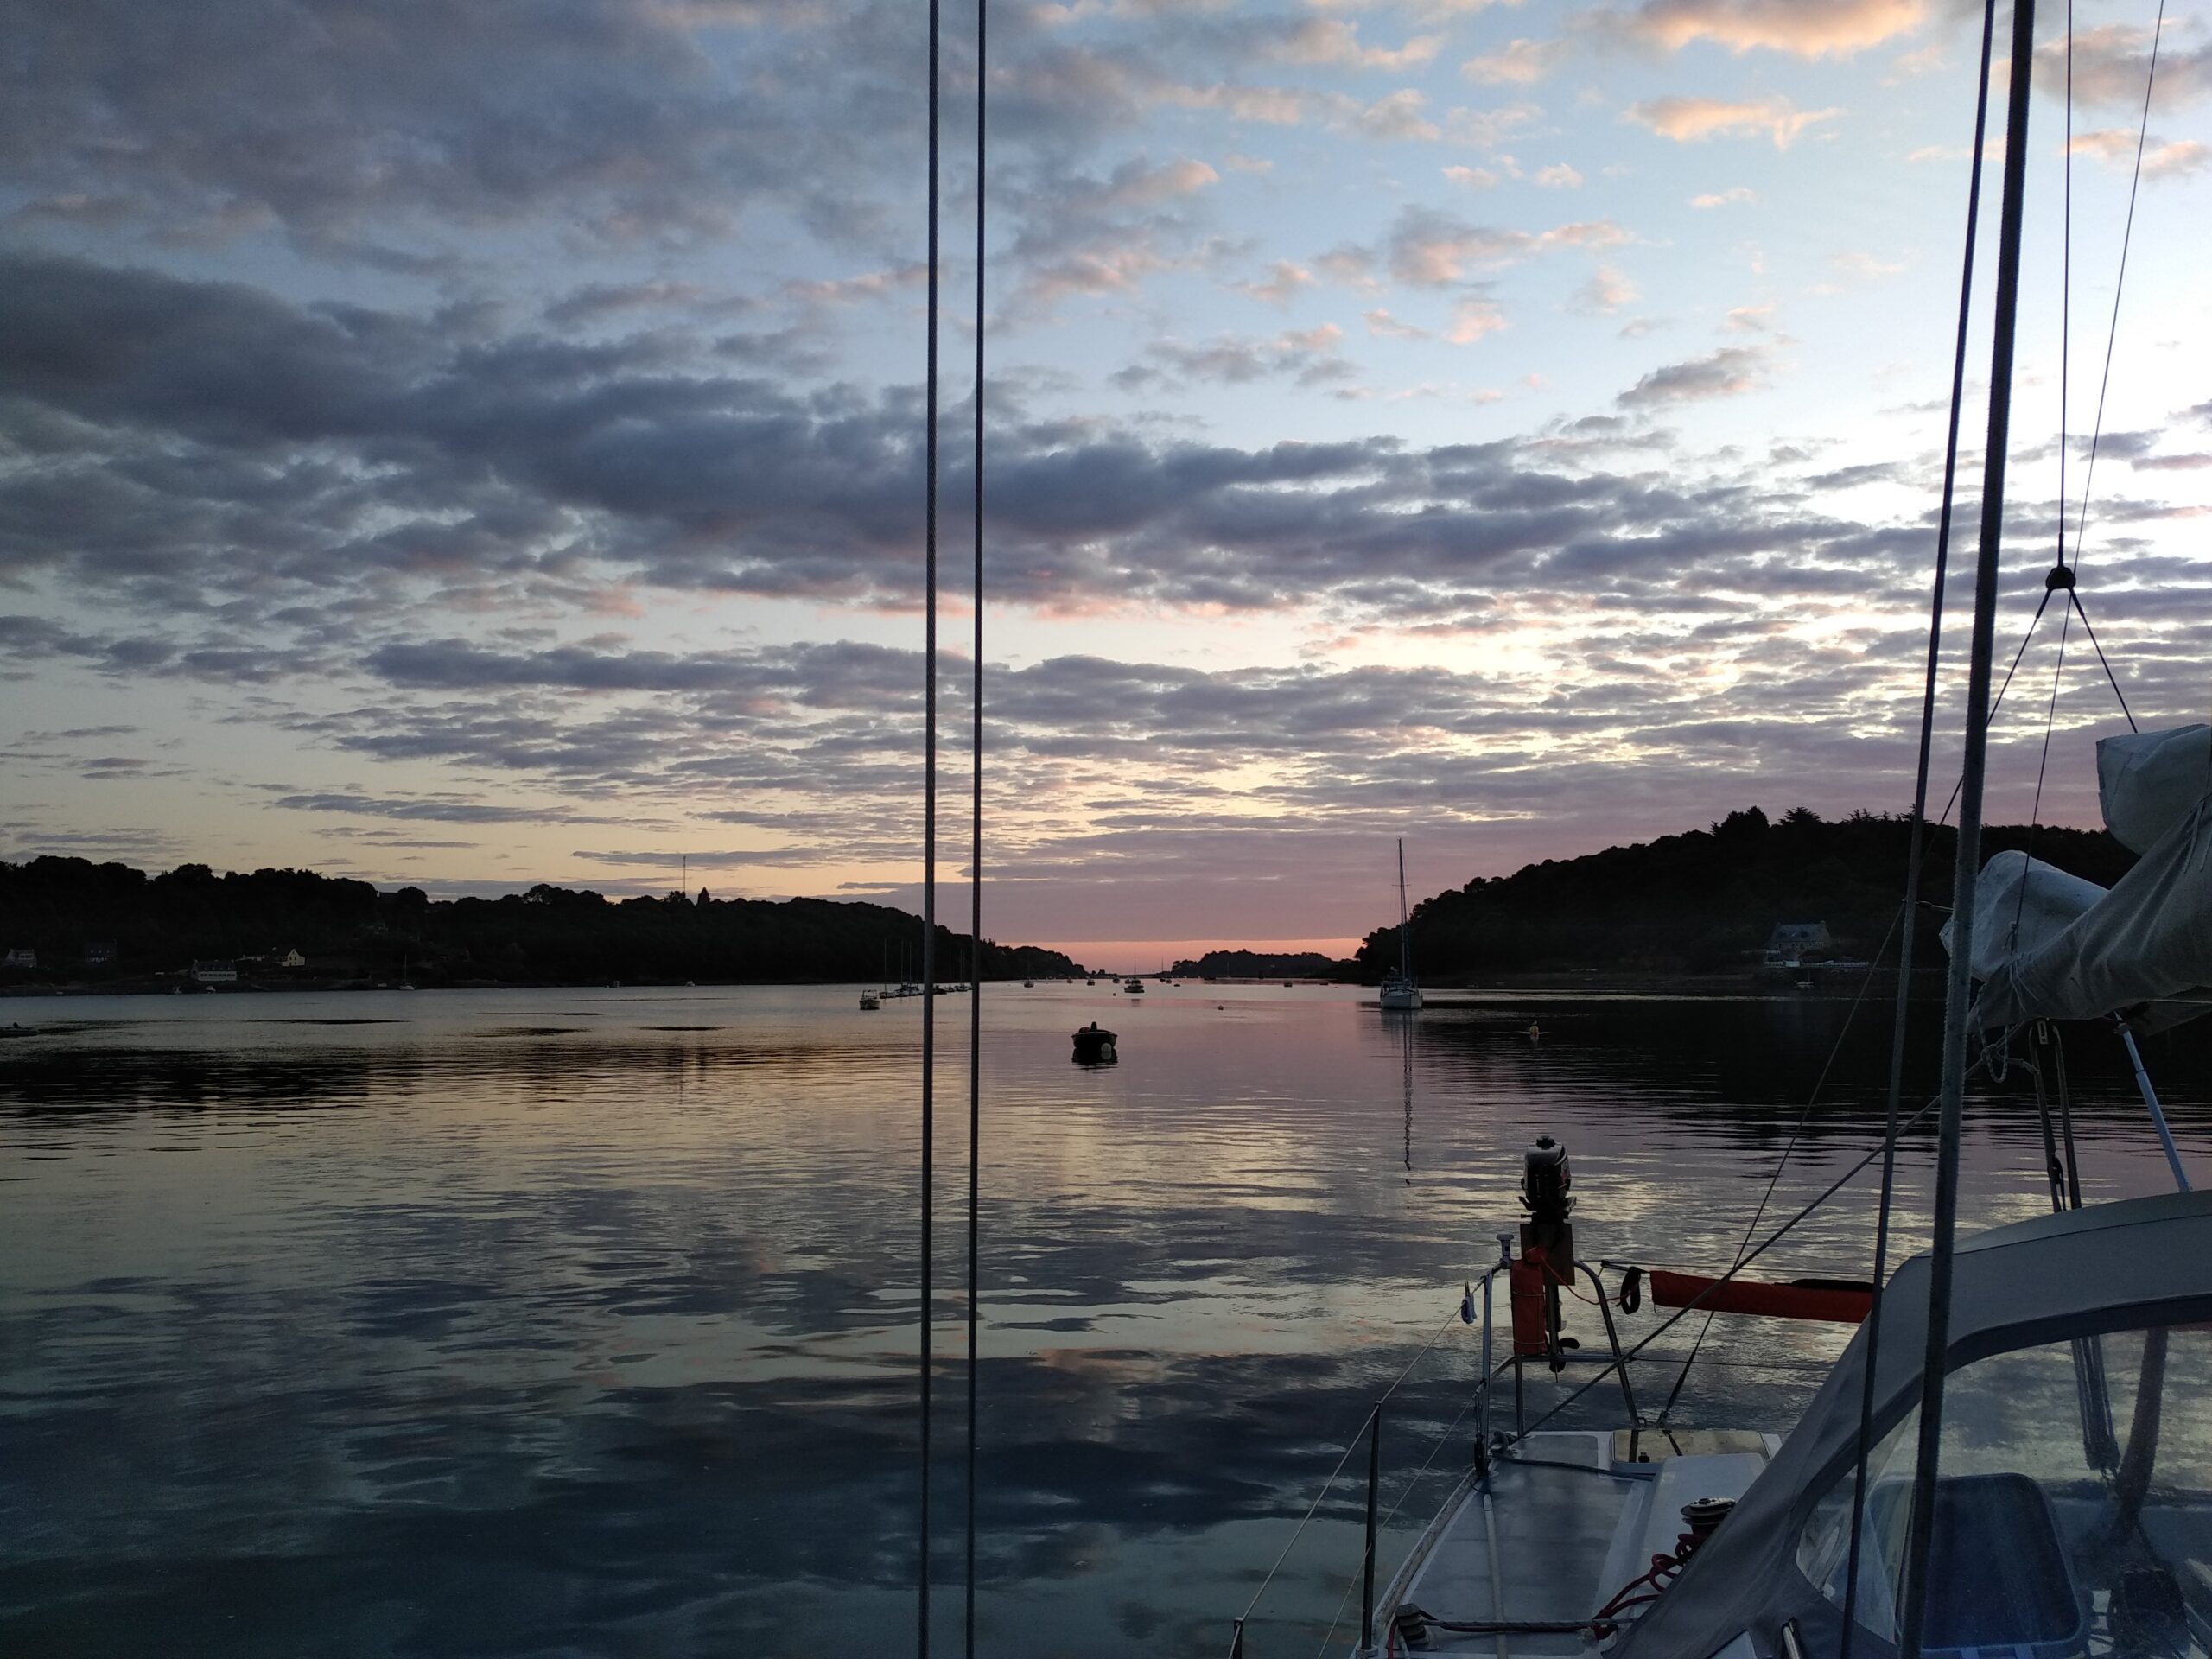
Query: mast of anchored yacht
x=1405, y=945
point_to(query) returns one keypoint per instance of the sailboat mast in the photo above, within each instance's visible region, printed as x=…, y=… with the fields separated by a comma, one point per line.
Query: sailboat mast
x=1405, y=945
x=1958, y=989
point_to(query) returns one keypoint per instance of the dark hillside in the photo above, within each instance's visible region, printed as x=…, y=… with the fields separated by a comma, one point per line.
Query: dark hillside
x=96, y=923
x=1259, y=964
x=1706, y=900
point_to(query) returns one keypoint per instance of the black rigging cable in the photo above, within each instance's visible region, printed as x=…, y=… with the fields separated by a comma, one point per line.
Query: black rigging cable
x=1788, y=1148
x=1696, y=1304
x=1958, y=990
x=2063, y=576
x=2111, y=334
x=2043, y=760
x=2101, y=663
x=2066, y=293
x=976, y=879
x=1916, y=852
x=929, y=840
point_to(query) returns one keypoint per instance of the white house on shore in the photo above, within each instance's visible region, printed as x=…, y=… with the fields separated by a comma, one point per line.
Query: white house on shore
x=214, y=973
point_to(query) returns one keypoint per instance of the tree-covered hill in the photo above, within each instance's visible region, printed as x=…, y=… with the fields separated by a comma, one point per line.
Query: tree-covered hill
x=1259, y=964
x=107, y=922
x=1708, y=900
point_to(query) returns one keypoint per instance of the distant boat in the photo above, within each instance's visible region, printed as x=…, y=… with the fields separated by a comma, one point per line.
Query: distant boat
x=870, y=1001
x=1028, y=985
x=1094, y=1046
x=1399, y=992
x=1133, y=986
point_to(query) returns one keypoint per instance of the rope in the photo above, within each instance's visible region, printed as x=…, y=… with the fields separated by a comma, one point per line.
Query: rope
x=976, y=885
x=928, y=835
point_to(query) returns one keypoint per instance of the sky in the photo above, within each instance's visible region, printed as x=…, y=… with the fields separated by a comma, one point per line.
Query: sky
x=475, y=446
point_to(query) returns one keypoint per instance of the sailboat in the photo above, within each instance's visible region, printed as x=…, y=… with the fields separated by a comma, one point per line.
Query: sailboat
x=1400, y=994
x=2062, y=1505
x=2013, y=1454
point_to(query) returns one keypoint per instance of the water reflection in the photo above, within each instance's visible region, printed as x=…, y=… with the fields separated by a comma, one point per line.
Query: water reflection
x=580, y=1322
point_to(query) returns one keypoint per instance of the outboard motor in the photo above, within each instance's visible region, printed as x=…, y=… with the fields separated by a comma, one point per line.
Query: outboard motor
x=1547, y=1252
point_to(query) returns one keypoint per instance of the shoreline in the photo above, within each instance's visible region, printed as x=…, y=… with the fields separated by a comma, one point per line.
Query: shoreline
x=1474, y=991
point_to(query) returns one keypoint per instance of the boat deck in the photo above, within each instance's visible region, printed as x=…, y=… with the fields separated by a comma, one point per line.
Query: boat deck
x=1555, y=1530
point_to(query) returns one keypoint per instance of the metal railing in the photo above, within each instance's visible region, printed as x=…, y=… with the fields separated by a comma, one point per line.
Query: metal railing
x=1489, y=1442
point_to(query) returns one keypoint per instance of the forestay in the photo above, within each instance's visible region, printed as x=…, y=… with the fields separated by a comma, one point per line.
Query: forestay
x=2053, y=946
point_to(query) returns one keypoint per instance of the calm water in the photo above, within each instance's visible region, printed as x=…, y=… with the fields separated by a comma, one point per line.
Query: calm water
x=582, y=1322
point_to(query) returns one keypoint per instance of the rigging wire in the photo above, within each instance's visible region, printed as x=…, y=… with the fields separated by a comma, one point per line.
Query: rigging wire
x=1964, y=896
x=1381, y=1400
x=2066, y=293
x=2111, y=334
x=1789, y=1146
x=2104, y=379
x=1916, y=848
x=975, y=877
x=2101, y=663
x=2063, y=576
x=929, y=836
x=1697, y=1302
x=2042, y=765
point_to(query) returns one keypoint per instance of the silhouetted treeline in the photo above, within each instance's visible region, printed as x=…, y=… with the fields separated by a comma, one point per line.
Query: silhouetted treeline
x=1259, y=964
x=106, y=922
x=1709, y=899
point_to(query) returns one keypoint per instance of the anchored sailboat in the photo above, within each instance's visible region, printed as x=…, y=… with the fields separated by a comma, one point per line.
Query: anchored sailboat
x=2010, y=1458
x=1399, y=992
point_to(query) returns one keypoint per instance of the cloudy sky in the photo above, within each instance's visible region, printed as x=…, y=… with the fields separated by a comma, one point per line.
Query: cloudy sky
x=475, y=445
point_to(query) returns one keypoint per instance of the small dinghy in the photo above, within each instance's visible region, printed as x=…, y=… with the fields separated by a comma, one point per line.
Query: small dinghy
x=1094, y=1046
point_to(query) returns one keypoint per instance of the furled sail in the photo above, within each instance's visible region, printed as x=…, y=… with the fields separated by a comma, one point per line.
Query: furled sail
x=2051, y=945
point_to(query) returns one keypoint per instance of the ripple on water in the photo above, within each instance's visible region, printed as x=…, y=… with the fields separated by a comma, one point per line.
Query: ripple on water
x=469, y=1326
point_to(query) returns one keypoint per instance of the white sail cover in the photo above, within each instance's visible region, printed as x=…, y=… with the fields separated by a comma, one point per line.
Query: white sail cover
x=2144, y=948
x=2020, y=905
x=2147, y=779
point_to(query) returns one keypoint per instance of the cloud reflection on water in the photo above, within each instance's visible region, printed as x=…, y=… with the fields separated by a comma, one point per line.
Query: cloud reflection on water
x=412, y=1337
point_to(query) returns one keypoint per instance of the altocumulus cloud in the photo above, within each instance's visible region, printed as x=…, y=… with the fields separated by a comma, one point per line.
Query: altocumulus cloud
x=204, y=446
